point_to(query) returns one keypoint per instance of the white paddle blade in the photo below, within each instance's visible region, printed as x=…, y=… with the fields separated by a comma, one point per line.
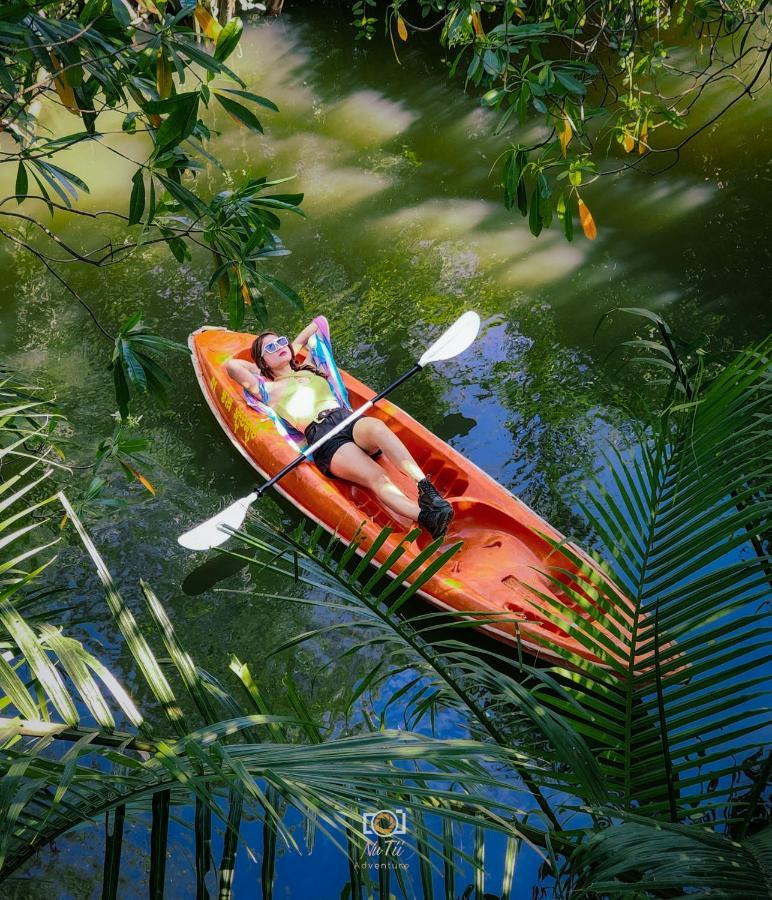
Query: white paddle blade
x=455, y=340
x=210, y=534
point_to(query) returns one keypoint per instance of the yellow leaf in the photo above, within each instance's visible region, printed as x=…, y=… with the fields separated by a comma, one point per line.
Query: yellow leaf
x=401, y=28
x=245, y=293
x=146, y=483
x=63, y=87
x=642, y=147
x=207, y=22
x=141, y=478
x=628, y=141
x=477, y=25
x=63, y=522
x=565, y=135
x=163, y=75
x=519, y=13
x=588, y=223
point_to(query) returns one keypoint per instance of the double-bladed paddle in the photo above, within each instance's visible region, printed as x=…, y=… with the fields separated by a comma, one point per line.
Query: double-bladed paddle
x=216, y=531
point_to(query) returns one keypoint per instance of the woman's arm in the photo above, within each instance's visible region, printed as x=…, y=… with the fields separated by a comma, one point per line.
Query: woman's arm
x=302, y=339
x=243, y=373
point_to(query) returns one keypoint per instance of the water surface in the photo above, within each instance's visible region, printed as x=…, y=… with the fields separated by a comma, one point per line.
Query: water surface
x=405, y=229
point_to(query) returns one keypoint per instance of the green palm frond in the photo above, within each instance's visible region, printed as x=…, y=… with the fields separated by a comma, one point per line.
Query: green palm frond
x=678, y=618
x=74, y=746
x=659, y=736
x=675, y=518
x=640, y=855
x=438, y=673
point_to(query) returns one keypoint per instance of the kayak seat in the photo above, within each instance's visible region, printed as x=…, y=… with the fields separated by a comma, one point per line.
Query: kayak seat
x=449, y=480
x=370, y=507
x=490, y=534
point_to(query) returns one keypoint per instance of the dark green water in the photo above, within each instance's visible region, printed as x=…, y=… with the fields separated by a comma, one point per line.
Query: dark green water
x=405, y=230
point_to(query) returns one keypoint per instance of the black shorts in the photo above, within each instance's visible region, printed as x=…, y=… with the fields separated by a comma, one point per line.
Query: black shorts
x=325, y=422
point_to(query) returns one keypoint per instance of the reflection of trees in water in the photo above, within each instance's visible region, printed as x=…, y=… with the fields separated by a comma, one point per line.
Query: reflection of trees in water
x=686, y=250
x=527, y=408
x=561, y=409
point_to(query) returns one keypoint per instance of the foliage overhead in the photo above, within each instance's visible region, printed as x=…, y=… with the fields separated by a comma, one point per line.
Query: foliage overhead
x=159, y=66
x=581, y=85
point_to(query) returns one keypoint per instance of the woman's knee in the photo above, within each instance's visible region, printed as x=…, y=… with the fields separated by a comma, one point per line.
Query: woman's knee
x=367, y=433
x=352, y=463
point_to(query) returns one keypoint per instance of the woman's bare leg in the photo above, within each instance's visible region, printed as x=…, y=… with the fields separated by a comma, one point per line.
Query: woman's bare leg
x=372, y=434
x=353, y=464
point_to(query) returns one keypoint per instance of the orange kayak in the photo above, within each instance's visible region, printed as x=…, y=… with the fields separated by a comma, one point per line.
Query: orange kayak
x=504, y=555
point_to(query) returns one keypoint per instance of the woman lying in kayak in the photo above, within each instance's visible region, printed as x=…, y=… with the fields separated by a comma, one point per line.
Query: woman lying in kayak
x=301, y=395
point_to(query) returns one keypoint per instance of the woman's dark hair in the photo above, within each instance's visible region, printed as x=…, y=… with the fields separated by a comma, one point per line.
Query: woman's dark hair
x=265, y=369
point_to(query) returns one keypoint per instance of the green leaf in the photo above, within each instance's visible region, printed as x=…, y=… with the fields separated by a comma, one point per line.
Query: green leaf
x=512, y=176
x=179, y=249
x=14, y=690
x=168, y=105
x=122, y=12
x=242, y=115
x=179, y=124
x=37, y=659
x=228, y=39
x=183, y=196
x=535, y=222
x=129, y=124
x=568, y=217
x=21, y=182
x=151, y=207
x=492, y=97
x=92, y=10
x=248, y=95
x=570, y=83
x=132, y=366
x=121, y=389
x=137, y=199
x=522, y=197
x=491, y=63
x=133, y=320
x=235, y=303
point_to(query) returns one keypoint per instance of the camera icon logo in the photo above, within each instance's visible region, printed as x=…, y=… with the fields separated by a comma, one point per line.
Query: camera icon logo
x=384, y=823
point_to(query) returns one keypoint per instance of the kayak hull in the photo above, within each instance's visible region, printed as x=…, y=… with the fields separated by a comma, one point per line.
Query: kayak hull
x=507, y=567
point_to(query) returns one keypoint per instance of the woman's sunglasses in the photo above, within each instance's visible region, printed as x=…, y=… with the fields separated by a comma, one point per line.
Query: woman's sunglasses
x=273, y=346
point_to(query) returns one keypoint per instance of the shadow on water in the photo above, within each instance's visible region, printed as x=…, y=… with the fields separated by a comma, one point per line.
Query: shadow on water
x=211, y=573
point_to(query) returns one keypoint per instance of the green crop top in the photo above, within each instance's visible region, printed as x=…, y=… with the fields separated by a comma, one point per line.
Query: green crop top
x=303, y=400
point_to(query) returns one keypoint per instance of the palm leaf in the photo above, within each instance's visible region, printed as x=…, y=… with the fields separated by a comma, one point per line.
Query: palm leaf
x=446, y=675
x=114, y=774
x=639, y=855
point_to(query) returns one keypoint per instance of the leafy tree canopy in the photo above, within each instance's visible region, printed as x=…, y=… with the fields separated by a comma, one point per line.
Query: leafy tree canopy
x=159, y=65
x=607, y=83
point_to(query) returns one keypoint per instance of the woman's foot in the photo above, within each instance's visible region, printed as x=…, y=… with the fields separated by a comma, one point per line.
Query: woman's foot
x=435, y=512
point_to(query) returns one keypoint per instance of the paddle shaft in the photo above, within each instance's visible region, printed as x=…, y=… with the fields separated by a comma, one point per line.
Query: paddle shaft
x=339, y=427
